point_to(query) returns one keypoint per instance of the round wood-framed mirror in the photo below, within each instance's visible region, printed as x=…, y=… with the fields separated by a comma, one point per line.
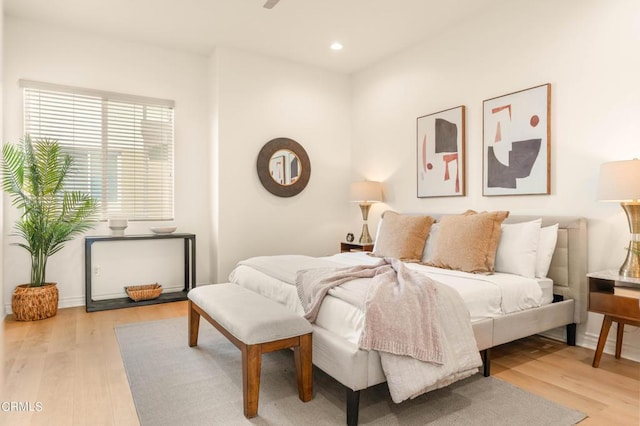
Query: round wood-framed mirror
x=283, y=167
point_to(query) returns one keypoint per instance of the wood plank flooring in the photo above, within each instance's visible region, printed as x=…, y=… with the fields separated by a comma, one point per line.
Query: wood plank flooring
x=71, y=364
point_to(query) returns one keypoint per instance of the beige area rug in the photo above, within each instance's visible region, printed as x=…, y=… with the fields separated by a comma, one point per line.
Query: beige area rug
x=173, y=384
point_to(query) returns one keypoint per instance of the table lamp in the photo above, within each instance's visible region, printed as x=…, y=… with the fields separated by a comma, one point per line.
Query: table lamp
x=366, y=193
x=620, y=181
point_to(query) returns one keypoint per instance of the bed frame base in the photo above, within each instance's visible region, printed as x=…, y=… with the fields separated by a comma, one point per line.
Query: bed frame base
x=571, y=328
x=571, y=334
x=353, y=397
x=486, y=362
x=353, y=405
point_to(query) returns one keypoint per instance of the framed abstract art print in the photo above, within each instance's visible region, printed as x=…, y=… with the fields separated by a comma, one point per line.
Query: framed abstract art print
x=441, y=153
x=517, y=142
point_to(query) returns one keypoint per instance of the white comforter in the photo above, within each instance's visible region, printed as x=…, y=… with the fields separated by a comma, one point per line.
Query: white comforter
x=406, y=377
x=484, y=295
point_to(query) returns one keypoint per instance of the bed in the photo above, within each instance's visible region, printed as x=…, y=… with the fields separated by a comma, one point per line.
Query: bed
x=560, y=300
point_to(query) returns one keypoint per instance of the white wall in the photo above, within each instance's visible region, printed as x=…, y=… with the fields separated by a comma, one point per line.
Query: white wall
x=214, y=199
x=587, y=50
x=38, y=52
x=259, y=99
x=2, y=310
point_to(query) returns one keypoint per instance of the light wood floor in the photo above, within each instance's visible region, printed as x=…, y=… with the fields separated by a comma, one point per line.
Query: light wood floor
x=71, y=364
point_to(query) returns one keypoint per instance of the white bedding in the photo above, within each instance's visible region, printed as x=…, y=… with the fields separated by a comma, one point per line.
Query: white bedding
x=484, y=295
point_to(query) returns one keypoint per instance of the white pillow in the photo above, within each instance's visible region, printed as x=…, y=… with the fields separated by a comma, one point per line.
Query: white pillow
x=429, y=247
x=517, y=249
x=546, y=247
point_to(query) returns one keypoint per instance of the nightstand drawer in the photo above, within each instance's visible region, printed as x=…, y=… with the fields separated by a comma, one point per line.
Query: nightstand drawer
x=611, y=304
x=347, y=247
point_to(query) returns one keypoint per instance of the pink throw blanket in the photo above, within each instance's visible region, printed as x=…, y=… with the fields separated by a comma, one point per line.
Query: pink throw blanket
x=400, y=308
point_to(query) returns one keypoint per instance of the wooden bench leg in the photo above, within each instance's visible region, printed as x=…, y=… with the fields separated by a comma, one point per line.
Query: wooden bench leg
x=194, y=324
x=251, y=364
x=304, y=367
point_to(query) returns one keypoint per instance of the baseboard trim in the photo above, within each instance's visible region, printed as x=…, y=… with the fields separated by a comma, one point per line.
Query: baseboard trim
x=72, y=302
x=67, y=302
x=629, y=352
x=590, y=341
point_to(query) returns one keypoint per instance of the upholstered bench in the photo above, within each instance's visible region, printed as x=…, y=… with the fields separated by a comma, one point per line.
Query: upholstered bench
x=256, y=325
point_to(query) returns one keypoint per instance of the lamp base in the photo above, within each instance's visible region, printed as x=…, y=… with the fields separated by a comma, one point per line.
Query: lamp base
x=631, y=266
x=365, y=237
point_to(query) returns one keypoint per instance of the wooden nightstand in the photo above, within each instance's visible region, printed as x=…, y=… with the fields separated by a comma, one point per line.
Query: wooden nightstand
x=618, y=298
x=345, y=247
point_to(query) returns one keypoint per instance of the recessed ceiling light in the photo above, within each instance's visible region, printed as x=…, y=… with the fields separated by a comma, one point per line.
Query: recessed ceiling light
x=336, y=46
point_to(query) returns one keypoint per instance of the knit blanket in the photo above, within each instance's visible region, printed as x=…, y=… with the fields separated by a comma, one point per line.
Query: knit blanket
x=400, y=307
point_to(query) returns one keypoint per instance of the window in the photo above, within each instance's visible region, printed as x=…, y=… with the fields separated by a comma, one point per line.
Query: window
x=122, y=145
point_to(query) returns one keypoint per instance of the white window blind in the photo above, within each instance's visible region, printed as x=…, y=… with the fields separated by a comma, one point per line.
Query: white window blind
x=122, y=145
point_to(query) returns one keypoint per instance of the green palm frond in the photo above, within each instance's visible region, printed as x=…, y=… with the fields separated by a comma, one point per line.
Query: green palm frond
x=33, y=174
x=13, y=174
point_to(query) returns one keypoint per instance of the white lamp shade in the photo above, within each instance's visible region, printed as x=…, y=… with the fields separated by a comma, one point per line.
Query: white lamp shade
x=366, y=191
x=619, y=181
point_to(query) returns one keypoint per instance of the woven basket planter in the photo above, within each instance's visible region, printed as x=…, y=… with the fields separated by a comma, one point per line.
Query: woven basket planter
x=34, y=303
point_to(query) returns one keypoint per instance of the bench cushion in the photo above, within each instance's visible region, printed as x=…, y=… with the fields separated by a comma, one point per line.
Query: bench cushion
x=248, y=316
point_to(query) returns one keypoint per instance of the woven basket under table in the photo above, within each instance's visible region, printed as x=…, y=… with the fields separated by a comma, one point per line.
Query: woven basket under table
x=143, y=292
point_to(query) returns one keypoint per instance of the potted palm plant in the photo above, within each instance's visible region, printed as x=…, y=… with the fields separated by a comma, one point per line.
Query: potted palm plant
x=33, y=174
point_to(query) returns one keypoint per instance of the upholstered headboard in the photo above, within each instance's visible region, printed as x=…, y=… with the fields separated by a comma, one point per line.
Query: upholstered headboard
x=569, y=263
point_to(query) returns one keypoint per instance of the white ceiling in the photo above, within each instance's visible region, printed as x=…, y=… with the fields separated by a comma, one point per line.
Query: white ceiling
x=299, y=30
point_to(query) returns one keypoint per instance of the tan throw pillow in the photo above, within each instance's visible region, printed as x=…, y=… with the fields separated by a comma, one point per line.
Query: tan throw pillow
x=402, y=236
x=468, y=242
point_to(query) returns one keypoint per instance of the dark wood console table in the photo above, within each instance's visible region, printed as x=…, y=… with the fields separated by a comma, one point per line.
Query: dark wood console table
x=124, y=302
x=618, y=298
